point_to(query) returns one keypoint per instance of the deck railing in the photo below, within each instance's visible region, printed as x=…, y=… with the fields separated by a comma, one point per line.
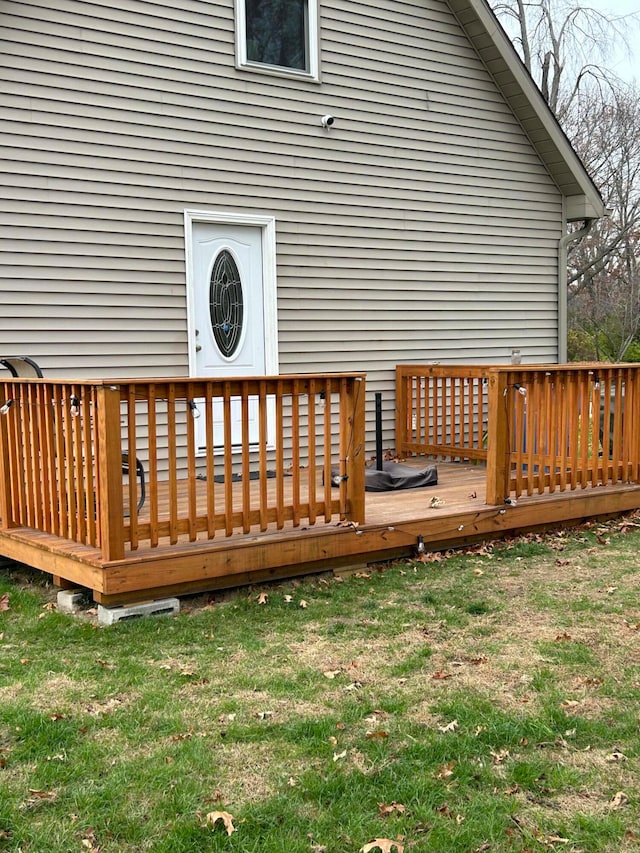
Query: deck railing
x=562, y=428
x=442, y=411
x=541, y=429
x=68, y=454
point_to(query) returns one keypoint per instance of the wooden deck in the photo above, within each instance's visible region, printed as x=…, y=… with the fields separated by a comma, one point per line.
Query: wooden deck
x=451, y=514
x=525, y=448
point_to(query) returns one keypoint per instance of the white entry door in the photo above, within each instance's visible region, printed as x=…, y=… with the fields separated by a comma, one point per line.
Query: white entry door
x=228, y=313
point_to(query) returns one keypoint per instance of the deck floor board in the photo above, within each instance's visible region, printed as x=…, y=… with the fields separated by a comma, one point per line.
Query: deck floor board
x=394, y=521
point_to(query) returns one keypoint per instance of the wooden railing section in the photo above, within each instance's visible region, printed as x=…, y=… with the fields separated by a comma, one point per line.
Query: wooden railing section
x=562, y=428
x=281, y=440
x=541, y=429
x=442, y=411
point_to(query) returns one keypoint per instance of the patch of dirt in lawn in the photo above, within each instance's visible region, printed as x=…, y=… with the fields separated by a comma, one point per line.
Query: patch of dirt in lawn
x=59, y=694
x=241, y=776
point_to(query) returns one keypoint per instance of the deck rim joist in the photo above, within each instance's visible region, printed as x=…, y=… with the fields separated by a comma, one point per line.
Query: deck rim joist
x=199, y=566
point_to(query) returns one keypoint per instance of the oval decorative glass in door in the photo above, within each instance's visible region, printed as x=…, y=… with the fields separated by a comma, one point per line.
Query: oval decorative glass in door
x=226, y=304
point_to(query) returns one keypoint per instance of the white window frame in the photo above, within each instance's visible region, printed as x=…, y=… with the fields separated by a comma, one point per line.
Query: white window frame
x=242, y=63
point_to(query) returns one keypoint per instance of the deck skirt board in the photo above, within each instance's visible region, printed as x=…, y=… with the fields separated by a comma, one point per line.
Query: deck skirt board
x=395, y=520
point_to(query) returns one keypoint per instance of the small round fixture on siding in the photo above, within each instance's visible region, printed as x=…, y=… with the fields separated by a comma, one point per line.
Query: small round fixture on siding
x=226, y=304
x=327, y=121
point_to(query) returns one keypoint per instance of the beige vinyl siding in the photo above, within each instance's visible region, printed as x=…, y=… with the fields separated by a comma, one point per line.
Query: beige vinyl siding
x=422, y=227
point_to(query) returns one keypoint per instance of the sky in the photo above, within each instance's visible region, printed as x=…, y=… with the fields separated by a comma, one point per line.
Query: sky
x=624, y=61
x=625, y=65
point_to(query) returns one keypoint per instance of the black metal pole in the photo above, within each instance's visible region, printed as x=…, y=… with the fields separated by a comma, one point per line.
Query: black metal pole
x=378, y=431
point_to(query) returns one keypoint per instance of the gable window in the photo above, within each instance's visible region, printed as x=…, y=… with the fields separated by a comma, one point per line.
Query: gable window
x=278, y=36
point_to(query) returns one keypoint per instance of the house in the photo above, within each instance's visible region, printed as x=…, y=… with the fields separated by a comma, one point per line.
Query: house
x=384, y=178
x=279, y=190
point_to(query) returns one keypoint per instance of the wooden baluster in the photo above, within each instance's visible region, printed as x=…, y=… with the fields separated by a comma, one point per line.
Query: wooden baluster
x=563, y=434
x=295, y=452
x=70, y=491
x=311, y=433
x=41, y=484
x=192, y=502
x=89, y=425
x=263, y=428
x=152, y=473
x=607, y=434
x=228, y=468
x=633, y=378
x=618, y=418
x=585, y=422
x=210, y=461
x=279, y=457
x=403, y=417
x=327, y=451
x=246, y=461
x=518, y=449
x=7, y=519
x=61, y=525
x=132, y=451
x=80, y=486
x=49, y=459
x=595, y=430
x=172, y=449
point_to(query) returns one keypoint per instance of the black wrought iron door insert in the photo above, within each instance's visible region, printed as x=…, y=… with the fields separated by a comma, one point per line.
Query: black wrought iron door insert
x=226, y=304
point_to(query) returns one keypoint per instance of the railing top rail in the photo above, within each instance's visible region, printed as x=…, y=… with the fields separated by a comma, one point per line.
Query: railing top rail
x=468, y=370
x=573, y=367
x=473, y=370
x=177, y=380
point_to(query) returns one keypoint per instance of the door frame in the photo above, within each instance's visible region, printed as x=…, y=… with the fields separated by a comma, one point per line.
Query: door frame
x=269, y=279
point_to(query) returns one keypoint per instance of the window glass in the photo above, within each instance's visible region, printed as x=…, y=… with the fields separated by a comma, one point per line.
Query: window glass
x=226, y=304
x=278, y=34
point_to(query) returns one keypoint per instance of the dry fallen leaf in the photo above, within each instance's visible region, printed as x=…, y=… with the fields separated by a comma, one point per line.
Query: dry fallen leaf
x=338, y=756
x=446, y=770
x=303, y=604
x=226, y=818
x=4, y=601
x=331, y=673
x=619, y=800
x=501, y=756
x=263, y=598
x=264, y=715
x=441, y=675
x=384, y=810
x=450, y=727
x=385, y=845
x=616, y=756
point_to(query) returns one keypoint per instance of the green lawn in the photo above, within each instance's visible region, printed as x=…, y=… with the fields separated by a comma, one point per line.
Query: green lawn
x=486, y=701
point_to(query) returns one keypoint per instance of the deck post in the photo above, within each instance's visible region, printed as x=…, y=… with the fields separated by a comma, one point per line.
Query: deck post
x=6, y=510
x=354, y=417
x=110, y=502
x=498, y=439
x=401, y=410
